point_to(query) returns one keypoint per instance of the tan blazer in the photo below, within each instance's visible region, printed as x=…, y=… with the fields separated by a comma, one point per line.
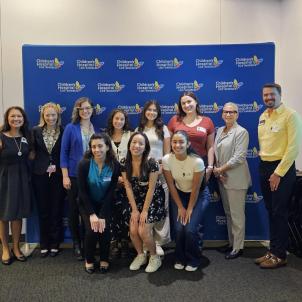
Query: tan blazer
x=232, y=149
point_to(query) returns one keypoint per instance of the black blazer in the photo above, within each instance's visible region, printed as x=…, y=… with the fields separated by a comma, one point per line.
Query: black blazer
x=86, y=205
x=42, y=158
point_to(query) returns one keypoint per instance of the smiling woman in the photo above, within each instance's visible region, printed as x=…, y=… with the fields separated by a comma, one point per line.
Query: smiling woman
x=15, y=202
x=97, y=179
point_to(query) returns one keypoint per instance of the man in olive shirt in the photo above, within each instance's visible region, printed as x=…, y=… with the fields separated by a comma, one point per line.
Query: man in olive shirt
x=279, y=134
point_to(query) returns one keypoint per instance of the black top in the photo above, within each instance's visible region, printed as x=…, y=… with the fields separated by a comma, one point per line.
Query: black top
x=42, y=158
x=87, y=206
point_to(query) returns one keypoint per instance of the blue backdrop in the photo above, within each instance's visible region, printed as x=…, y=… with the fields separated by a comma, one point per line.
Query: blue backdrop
x=128, y=76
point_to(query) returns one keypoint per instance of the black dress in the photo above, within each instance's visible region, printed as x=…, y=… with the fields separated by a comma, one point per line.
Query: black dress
x=140, y=186
x=15, y=192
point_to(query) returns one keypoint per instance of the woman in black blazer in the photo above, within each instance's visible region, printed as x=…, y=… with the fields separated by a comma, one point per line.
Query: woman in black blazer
x=47, y=178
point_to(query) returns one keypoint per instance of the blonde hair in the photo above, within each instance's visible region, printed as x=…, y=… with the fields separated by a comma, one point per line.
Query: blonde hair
x=75, y=117
x=56, y=107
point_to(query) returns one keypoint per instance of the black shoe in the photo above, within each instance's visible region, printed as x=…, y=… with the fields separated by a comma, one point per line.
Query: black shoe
x=21, y=258
x=44, y=253
x=114, y=252
x=8, y=261
x=104, y=269
x=225, y=249
x=233, y=254
x=54, y=252
x=89, y=270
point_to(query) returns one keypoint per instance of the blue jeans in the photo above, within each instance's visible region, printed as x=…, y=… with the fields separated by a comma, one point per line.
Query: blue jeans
x=188, y=238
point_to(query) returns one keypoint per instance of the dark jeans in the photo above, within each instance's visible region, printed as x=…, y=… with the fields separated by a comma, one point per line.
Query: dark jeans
x=73, y=212
x=277, y=204
x=50, y=195
x=188, y=238
x=91, y=238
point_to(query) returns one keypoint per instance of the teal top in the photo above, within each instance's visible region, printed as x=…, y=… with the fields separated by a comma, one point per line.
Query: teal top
x=98, y=181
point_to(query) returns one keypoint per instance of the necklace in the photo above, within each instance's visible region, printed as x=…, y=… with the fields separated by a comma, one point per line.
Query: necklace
x=18, y=147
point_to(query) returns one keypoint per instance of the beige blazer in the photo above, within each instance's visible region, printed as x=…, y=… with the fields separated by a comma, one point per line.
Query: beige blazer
x=232, y=149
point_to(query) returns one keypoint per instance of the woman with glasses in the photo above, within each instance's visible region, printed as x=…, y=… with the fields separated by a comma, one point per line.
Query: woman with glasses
x=233, y=176
x=75, y=143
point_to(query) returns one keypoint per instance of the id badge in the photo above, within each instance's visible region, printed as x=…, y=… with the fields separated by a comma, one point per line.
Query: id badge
x=51, y=169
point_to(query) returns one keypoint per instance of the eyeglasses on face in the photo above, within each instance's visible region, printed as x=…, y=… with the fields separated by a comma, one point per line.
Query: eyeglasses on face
x=228, y=112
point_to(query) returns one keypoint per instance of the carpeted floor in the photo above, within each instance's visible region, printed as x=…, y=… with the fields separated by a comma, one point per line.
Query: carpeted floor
x=63, y=279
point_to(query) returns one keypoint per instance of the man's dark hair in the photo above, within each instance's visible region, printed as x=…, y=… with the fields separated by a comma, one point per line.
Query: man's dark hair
x=273, y=85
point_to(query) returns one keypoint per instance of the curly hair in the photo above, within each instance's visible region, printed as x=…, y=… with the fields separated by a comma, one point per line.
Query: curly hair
x=110, y=128
x=110, y=155
x=75, y=117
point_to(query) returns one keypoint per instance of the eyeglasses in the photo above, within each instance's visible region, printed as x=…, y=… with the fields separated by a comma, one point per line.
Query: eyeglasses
x=229, y=112
x=84, y=108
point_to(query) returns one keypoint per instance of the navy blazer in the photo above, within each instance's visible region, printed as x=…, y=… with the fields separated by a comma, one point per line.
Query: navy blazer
x=42, y=158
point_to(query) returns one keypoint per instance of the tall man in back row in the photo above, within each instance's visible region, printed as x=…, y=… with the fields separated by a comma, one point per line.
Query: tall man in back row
x=279, y=134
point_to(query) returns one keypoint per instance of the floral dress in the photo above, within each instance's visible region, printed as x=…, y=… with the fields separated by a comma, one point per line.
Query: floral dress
x=140, y=186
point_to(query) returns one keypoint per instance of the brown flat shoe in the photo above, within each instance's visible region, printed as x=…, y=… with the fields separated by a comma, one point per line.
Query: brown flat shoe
x=263, y=258
x=273, y=262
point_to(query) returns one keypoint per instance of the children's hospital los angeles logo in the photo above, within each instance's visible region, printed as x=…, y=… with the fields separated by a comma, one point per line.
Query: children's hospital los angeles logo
x=131, y=109
x=149, y=87
x=208, y=63
x=123, y=64
x=211, y=108
x=70, y=87
x=188, y=86
x=249, y=107
x=248, y=62
x=110, y=87
x=49, y=63
x=228, y=85
x=168, y=64
x=96, y=63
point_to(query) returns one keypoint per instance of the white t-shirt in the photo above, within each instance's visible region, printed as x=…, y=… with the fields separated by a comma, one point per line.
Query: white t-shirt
x=156, y=144
x=183, y=170
x=121, y=151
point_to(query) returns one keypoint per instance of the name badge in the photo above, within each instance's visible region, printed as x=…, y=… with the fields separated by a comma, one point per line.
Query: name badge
x=107, y=179
x=201, y=129
x=275, y=128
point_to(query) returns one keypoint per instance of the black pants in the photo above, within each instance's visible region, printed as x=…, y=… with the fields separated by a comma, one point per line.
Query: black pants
x=91, y=239
x=50, y=195
x=73, y=212
x=277, y=204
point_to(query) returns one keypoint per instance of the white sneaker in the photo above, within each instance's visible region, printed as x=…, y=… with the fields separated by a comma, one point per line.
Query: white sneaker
x=154, y=264
x=159, y=250
x=138, y=261
x=190, y=268
x=179, y=266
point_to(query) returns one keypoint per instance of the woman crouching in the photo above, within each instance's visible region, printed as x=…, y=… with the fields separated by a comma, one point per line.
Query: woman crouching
x=98, y=173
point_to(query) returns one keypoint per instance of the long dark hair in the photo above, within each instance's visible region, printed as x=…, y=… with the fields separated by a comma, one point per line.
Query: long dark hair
x=24, y=129
x=110, y=128
x=110, y=156
x=190, y=150
x=158, y=122
x=144, y=164
x=181, y=114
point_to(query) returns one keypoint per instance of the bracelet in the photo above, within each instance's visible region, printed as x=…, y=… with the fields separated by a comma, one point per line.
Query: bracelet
x=210, y=167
